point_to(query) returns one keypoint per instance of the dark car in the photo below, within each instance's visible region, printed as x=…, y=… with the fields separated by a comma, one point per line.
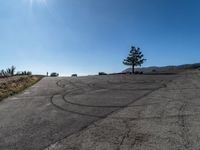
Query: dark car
x=74, y=75
x=102, y=73
x=54, y=74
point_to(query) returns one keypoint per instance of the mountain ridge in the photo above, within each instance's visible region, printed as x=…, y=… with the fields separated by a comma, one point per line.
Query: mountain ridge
x=165, y=68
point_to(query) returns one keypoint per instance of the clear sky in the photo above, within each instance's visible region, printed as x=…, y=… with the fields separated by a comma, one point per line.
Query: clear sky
x=89, y=36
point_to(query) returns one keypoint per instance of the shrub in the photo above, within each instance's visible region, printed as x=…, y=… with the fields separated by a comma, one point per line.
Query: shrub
x=19, y=73
x=11, y=72
x=4, y=73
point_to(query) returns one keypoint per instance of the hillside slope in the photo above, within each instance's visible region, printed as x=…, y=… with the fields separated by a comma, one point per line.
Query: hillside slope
x=165, y=68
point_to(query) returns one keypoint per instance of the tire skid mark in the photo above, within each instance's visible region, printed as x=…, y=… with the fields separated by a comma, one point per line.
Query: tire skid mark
x=110, y=106
x=156, y=117
x=97, y=106
x=184, y=127
x=58, y=83
x=100, y=118
x=74, y=112
x=86, y=114
x=126, y=134
x=67, y=93
x=182, y=121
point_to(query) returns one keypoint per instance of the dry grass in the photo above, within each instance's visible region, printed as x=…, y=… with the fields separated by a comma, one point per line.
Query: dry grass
x=12, y=85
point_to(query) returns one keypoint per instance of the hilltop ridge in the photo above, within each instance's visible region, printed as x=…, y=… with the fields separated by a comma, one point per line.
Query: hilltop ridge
x=165, y=68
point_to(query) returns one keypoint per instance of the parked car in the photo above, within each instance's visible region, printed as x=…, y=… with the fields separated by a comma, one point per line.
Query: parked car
x=74, y=75
x=102, y=73
x=54, y=74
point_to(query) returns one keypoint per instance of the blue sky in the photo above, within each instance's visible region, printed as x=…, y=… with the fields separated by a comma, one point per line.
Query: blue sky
x=89, y=36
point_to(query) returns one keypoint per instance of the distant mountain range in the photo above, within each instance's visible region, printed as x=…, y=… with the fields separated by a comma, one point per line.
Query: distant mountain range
x=164, y=68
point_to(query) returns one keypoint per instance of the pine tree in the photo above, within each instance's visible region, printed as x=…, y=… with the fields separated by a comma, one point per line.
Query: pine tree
x=135, y=58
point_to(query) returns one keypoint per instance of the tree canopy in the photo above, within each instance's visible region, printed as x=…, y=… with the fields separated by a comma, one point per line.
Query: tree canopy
x=135, y=58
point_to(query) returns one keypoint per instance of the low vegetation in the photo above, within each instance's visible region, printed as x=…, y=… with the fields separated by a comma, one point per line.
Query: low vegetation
x=16, y=84
x=9, y=72
x=12, y=82
x=21, y=73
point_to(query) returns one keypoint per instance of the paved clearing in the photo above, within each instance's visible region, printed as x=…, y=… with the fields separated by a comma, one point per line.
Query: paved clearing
x=104, y=112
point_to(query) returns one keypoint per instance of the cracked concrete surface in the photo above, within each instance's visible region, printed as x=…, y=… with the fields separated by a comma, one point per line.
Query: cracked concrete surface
x=119, y=112
x=166, y=119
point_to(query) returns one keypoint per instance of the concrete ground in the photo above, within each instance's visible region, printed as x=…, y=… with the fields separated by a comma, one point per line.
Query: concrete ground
x=104, y=113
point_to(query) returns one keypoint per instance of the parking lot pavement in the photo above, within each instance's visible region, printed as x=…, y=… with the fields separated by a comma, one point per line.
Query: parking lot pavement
x=166, y=119
x=92, y=112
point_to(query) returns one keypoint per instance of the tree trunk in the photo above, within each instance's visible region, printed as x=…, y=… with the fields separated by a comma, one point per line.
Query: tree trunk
x=133, y=69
